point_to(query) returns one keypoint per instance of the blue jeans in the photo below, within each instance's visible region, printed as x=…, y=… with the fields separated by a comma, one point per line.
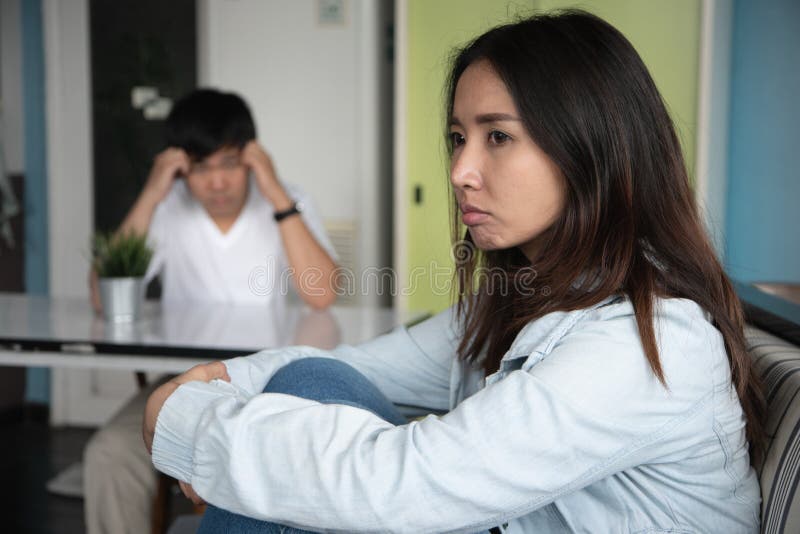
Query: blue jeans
x=323, y=380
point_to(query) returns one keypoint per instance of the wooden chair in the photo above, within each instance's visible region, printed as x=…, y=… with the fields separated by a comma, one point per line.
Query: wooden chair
x=166, y=487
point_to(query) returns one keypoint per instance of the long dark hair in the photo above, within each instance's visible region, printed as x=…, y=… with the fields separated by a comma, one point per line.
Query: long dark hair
x=630, y=225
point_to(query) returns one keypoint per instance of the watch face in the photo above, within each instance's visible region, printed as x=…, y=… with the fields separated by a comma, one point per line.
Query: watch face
x=299, y=205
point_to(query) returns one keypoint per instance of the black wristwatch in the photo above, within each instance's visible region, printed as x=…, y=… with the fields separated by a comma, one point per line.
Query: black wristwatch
x=281, y=215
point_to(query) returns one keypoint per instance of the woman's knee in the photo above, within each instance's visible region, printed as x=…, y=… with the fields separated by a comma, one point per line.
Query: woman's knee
x=300, y=376
x=332, y=381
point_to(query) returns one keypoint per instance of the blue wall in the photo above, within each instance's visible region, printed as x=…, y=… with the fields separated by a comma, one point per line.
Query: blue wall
x=763, y=213
x=36, y=237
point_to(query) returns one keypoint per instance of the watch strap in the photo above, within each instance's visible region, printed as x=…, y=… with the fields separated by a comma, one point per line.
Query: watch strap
x=281, y=215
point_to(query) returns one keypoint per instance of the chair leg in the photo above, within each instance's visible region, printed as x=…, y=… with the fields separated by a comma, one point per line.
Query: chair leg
x=161, y=502
x=141, y=380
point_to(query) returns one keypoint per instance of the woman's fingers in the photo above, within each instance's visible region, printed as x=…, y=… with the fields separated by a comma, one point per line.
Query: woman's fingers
x=217, y=370
x=205, y=373
x=189, y=492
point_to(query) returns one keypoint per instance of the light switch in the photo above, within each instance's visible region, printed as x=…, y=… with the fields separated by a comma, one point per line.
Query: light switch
x=331, y=12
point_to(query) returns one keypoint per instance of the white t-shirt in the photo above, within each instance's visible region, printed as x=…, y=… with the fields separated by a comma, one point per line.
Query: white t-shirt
x=246, y=264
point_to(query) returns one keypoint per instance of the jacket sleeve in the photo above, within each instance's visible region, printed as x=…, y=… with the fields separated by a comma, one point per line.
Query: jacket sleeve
x=516, y=445
x=409, y=365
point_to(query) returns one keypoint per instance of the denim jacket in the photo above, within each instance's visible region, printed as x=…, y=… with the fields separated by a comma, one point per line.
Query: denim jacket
x=574, y=433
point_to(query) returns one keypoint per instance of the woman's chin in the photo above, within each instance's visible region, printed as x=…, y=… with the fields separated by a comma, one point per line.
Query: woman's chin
x=486, y=244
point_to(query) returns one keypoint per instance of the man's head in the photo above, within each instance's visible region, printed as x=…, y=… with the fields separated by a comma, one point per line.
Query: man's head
x=213, y=127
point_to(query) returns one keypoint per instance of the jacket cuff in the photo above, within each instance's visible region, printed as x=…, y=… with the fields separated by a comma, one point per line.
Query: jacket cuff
x=176, y=425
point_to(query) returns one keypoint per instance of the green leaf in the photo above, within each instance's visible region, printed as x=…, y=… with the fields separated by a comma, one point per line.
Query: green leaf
x=120, y=255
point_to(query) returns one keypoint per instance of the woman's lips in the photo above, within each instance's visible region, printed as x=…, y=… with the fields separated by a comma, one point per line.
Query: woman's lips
x=471, y=217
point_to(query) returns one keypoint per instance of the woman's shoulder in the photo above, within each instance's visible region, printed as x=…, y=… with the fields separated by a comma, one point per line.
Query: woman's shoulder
x=593, y=360
x=679, y=324
x=599, y=350
x=683, y=332
x=663, y=307
x=616, y=318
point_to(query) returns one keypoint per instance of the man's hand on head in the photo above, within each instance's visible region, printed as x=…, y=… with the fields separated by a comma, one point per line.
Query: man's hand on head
x=255, y=158
x=202, y=373
x=169, y=164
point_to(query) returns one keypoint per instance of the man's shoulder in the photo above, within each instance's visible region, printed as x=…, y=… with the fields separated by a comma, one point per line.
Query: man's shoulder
x=176, y=210
x=178, y=201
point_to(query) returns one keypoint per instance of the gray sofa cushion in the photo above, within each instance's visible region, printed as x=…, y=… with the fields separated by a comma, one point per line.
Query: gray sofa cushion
x=778, y=363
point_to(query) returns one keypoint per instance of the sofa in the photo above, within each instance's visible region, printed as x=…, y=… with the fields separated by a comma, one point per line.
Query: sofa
x=778, y=363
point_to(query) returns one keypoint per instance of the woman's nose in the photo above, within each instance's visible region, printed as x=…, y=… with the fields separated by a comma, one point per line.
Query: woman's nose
x=465, y=170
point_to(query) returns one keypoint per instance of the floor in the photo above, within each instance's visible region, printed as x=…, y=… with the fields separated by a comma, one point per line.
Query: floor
x=30, y=454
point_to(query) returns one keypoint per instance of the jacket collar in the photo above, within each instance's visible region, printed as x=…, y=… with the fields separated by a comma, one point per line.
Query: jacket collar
x=539, y=336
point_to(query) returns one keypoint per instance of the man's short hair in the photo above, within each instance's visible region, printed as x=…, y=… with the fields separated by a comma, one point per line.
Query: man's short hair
x=207, y=120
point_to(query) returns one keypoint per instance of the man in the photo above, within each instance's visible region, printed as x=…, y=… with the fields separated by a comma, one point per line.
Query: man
x=216, y=213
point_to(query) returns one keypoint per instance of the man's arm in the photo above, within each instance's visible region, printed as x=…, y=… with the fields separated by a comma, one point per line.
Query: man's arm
x=314, y=269
x=167, y=165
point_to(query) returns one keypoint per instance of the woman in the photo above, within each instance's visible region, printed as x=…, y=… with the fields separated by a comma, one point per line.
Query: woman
x=600, y=383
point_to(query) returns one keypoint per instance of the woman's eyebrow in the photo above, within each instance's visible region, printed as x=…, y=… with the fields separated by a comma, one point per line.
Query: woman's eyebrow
x=495, y=117
x=487, y=117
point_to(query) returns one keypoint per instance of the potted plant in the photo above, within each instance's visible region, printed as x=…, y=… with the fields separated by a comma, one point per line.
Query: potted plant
x=120, y=261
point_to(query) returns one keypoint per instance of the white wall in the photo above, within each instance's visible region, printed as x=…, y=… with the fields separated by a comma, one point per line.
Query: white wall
x=315, y=93
x=77, y=397
x=300, y=80
x=12, y=133
x=69, y=138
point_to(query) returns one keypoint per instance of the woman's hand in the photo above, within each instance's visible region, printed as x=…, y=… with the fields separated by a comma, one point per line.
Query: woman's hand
x=203, y=373
x=188, y=490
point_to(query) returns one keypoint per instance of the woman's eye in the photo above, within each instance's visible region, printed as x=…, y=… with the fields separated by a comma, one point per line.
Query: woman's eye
x=498, y=138
x=456, y=139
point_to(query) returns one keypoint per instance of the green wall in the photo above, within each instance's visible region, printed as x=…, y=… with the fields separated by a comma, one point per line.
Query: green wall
x=666, y=34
